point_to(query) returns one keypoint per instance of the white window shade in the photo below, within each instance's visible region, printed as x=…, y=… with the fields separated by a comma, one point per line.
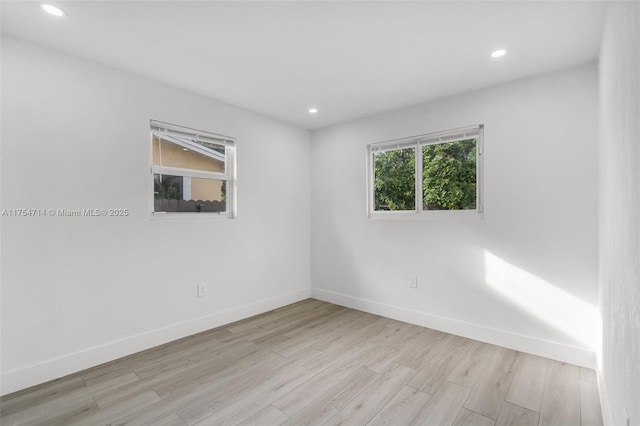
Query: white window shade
x=161, y=129
x=428, y=139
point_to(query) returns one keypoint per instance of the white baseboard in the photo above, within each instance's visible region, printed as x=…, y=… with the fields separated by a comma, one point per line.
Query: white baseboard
x=31, y=375
x=548, y=349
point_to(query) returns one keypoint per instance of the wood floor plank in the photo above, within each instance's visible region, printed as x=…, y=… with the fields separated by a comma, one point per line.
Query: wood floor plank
x=443, y=407
x=282, y=325
x=439, y=363
x=392, y=333
x=212, y=390
x=402, y=408
x=41, y=395
x=324, y=405
x=269, y=415
x=264, y=332
x=335, y=319
x=195, y=354
x=300, y=303
x=156, y=412
x=590, y=411
x=228, y=379
x=320, y=362
x=489, y=393
x=72, y=414
x=561, y=400
x=366, y=405
x=81, y=397
x=41, y=389
x=469, y=418
x=172, y=420
x=416, y=348
x=131, y=362
x=208, y=394
x=306, y=357
x=305, y=337
x=273, y=316
x=295, y=401
x=512, y=415
x=528, y=383
x=187, y=375
x=56, y=414
x=293, y=321
x=377, y=325
x=472, y=365
x=121, y=409
x=346, y=336
x=248, y=402
x=388, y=358
x=216, y=374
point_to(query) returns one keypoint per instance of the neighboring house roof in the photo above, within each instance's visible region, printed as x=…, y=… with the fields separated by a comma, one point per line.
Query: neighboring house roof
x=192, y=145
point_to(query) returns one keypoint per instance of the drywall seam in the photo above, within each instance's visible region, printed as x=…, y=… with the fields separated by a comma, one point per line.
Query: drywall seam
x=31, y=375
x=531, y=345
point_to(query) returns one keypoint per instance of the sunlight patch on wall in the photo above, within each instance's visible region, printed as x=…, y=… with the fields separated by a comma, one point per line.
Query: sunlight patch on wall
x=556, y=307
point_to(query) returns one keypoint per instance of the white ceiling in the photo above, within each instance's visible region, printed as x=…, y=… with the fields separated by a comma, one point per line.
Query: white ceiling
x=348, y=59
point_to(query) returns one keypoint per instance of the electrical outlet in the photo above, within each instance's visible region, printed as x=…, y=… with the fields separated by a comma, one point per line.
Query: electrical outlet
x=202, y=289
x=413, y=281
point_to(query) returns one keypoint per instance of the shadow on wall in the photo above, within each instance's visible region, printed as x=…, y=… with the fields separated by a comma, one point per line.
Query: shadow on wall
x=556, y=307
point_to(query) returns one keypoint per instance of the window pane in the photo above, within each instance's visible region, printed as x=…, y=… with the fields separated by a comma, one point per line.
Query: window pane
x=395, y=184
x=189, y=194
x=172, y=151
x=449, y=176
x=168, y=187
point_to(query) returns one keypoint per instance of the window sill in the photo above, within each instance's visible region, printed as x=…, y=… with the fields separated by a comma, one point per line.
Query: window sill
x=188, y=217
x=445, y=215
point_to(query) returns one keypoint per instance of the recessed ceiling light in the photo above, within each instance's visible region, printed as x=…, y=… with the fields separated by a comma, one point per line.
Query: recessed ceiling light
x=52, y=10
x=498, y=53
x=313, y=110
x=185, y=149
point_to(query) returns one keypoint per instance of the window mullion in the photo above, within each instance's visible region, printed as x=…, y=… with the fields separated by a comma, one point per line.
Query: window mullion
x=418, y=178
x=178, y=171
x=480, y=170
x=370, y=181
x=231, y=182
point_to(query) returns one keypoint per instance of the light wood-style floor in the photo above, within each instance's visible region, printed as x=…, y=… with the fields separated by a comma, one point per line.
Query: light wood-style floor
x=316, y=363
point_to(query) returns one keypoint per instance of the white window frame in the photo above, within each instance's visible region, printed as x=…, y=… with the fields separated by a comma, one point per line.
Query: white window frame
x=186, y=188
x=160, y=129
x=417, y=142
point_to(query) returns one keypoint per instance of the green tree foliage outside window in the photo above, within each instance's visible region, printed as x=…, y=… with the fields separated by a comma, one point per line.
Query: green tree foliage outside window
x=395, y=183
x=448, y=177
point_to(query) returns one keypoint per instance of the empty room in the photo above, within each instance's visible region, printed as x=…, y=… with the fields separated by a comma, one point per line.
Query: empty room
x=320, y=213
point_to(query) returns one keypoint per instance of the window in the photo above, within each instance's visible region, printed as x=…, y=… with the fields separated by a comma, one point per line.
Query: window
x=193, y=171
x=427, y=173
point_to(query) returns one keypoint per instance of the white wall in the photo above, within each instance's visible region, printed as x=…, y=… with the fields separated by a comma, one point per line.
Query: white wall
x=620, y=214
x=77, y=291
x=538, y=235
